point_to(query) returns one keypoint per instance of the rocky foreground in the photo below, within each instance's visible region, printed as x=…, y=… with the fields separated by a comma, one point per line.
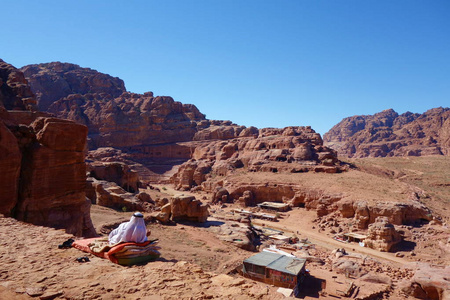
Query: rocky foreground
x=32, y=266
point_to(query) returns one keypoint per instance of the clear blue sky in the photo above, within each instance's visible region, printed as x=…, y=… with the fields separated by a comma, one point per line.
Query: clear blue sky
x=263, y=63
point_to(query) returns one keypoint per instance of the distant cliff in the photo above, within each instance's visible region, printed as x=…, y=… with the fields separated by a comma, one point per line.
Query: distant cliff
x=389, y=134
x=53, y=81
x=152, y=129
x=114, y=116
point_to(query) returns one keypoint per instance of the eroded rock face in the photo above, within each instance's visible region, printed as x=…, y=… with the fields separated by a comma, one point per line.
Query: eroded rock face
x=389, y=134
x=53, y=81
x=220, y=195
x=292, y=149
x=53, y=176
x=15, y=93
x=429, y=282
x=130, y=120
x=117, y=172
x=150, y=130
x=396, y=213
x=45, y=171
x=109, y=194
x=114, y=117
x=10, y=163
x=42, y=178
x=382, y=235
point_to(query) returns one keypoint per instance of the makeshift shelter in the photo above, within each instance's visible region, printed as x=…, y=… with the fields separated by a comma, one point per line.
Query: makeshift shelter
x=355, y=237
x=280, y=238
x=276, y=206
x=276, y=269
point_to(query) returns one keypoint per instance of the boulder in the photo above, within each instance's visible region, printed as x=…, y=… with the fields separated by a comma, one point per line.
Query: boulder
x=220, y=195
x=188, y=208
x=247, y=199
x=346, y=208
x=164, y=215
x=241, y=236
x=382, y=235
x=429, y=282
x=109, y=194
x=347, y=267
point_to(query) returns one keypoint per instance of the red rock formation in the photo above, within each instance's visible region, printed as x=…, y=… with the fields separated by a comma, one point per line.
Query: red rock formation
x=109, y=194
x=53, y=176
x=129, y=120
x=382, y=235
x=292, y=149
x=53, y=81
x=188, y=208
x=389, y=134
x=116, y=172
x=429, y=282
x=10, y=162
x=42, y=178
x=146, y=128
x=15, y=93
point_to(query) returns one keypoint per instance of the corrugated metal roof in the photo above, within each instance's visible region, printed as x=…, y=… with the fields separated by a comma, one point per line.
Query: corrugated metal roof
x=277, y=262
x=356, y=235
x=273, y=204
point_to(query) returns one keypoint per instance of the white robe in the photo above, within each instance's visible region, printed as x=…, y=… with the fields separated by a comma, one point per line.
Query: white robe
x=132, y=231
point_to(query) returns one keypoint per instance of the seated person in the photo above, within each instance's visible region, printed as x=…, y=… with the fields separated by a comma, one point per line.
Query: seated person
x=132, y=231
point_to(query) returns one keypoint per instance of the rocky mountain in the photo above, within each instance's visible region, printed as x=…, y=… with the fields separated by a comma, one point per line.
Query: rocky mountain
x=114, y=116
x=389, y=134
x=53, y=81
x=152, y=129
x=129, y=120
x=43, y=174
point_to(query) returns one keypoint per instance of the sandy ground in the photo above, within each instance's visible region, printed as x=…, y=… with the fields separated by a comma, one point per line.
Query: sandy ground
x=189, y=268
x=194, y=263
x=32, y=265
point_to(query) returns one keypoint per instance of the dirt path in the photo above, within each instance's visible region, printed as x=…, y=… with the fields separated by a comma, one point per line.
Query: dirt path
x=300, y=220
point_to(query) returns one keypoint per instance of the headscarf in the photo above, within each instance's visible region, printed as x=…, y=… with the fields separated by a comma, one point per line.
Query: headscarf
x=132, y=231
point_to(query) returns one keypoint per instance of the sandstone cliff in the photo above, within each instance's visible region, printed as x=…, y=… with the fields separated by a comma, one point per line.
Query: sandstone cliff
x=292, y=149
x=114, y=117
x=389, y=134
x=130, y=120
x=53, y=81
x=42, y=178
x=161, y=133
x=15, y=93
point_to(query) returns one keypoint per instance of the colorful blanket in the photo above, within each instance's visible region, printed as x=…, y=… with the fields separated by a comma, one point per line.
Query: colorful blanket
x=122, y=253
